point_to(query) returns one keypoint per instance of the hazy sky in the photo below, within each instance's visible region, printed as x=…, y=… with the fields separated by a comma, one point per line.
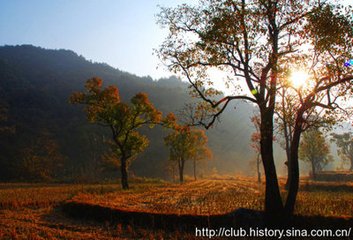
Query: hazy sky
x=122, y=33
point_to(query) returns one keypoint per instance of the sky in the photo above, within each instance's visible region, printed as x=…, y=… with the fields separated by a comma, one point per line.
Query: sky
x=121, y=33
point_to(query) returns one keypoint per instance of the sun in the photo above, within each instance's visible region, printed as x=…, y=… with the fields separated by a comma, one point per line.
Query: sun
x=299, y=78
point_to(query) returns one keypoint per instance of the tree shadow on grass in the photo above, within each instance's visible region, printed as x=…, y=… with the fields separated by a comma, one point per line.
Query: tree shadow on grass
x=244, y=218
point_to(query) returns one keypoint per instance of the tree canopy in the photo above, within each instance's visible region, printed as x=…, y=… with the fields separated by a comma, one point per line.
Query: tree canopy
x=344, y=143
x=257, y=43
x=104, y=107
x=185, y=144
x=314, y=149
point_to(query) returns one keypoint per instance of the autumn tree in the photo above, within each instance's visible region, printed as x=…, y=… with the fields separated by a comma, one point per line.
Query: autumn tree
x=250, y=42
x=188, y=117
x=42, y=159
x=104, y=107
x=344, y=142
x=201, y=150
x=285, y=114
x=315, y=150
x=186, y=144
x=255, y=144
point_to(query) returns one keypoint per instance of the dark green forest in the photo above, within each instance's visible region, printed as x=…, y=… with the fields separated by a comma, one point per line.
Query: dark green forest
x=38, y=121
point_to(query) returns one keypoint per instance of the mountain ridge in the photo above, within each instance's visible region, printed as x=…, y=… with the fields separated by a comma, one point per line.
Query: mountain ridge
x=35, y=84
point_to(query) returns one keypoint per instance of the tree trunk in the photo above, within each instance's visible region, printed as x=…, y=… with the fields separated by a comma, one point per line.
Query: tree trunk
x=124, y=176
x=181, y=170
x=258, y=168
x=195, y=170
x=286, y=186
x=313, y=170
x=273, y=201
x=294, y=165
x=173, y=172
x=287, y=130
x=351, y=164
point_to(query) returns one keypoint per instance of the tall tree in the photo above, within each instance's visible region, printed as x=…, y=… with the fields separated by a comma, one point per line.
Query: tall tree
x=255, y=144
x=251, y=41
x=285, y=115
x=104, y=107
x=187, y=144
x=344, y=143
x=315, y=150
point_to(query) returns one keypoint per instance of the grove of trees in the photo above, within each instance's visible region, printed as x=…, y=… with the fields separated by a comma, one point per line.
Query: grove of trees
x=42, y=159
x=34, y=100
x=257, y=44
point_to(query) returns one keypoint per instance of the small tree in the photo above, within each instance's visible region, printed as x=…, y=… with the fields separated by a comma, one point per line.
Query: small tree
x=255, y=144
x=315, y=150
x=201, y=150
x=187, y=144
x=104, y=107
x=42, y=159
x=344, y=143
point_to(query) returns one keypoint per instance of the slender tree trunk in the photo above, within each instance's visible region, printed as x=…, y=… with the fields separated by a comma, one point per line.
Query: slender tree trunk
x=287, y=130
x=181, y=170
x=195, y=170
x=173, y=172
x=258, y=168
x=351, y=164
x=124, y=175
x=294, y=165
x=273, y=201
x=313, y=170
x=286, y=186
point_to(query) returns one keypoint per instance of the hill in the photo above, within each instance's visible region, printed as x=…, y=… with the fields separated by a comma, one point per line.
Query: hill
x=35, y=84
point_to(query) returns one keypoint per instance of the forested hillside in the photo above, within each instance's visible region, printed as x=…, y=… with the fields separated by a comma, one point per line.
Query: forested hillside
x=39, y=122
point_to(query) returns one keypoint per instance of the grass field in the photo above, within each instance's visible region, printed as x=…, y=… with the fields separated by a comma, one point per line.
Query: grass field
x=31, y=211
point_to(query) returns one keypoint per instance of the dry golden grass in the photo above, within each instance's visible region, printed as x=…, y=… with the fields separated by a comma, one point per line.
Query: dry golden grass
x=29, y=211
x=16, y=196
x=203, y=197
x=220, y=196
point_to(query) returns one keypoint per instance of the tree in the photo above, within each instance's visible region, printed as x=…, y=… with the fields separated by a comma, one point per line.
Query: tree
x=4, y=127
x=255, y=144
x=251, y=41
x=344, y=143
x=187, y=144
x=104, y=107
x=42, y=159
x=201, y=150
x=315, y=150
x=187, y=117
x=285, y=116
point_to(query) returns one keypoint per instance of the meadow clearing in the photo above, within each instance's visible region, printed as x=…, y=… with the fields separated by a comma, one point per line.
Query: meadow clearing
x=33, y=211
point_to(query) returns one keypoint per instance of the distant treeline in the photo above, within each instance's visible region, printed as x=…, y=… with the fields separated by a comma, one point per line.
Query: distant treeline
x=40, y=126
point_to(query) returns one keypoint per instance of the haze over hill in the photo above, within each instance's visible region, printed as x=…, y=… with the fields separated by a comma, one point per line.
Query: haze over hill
x=35, y=84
